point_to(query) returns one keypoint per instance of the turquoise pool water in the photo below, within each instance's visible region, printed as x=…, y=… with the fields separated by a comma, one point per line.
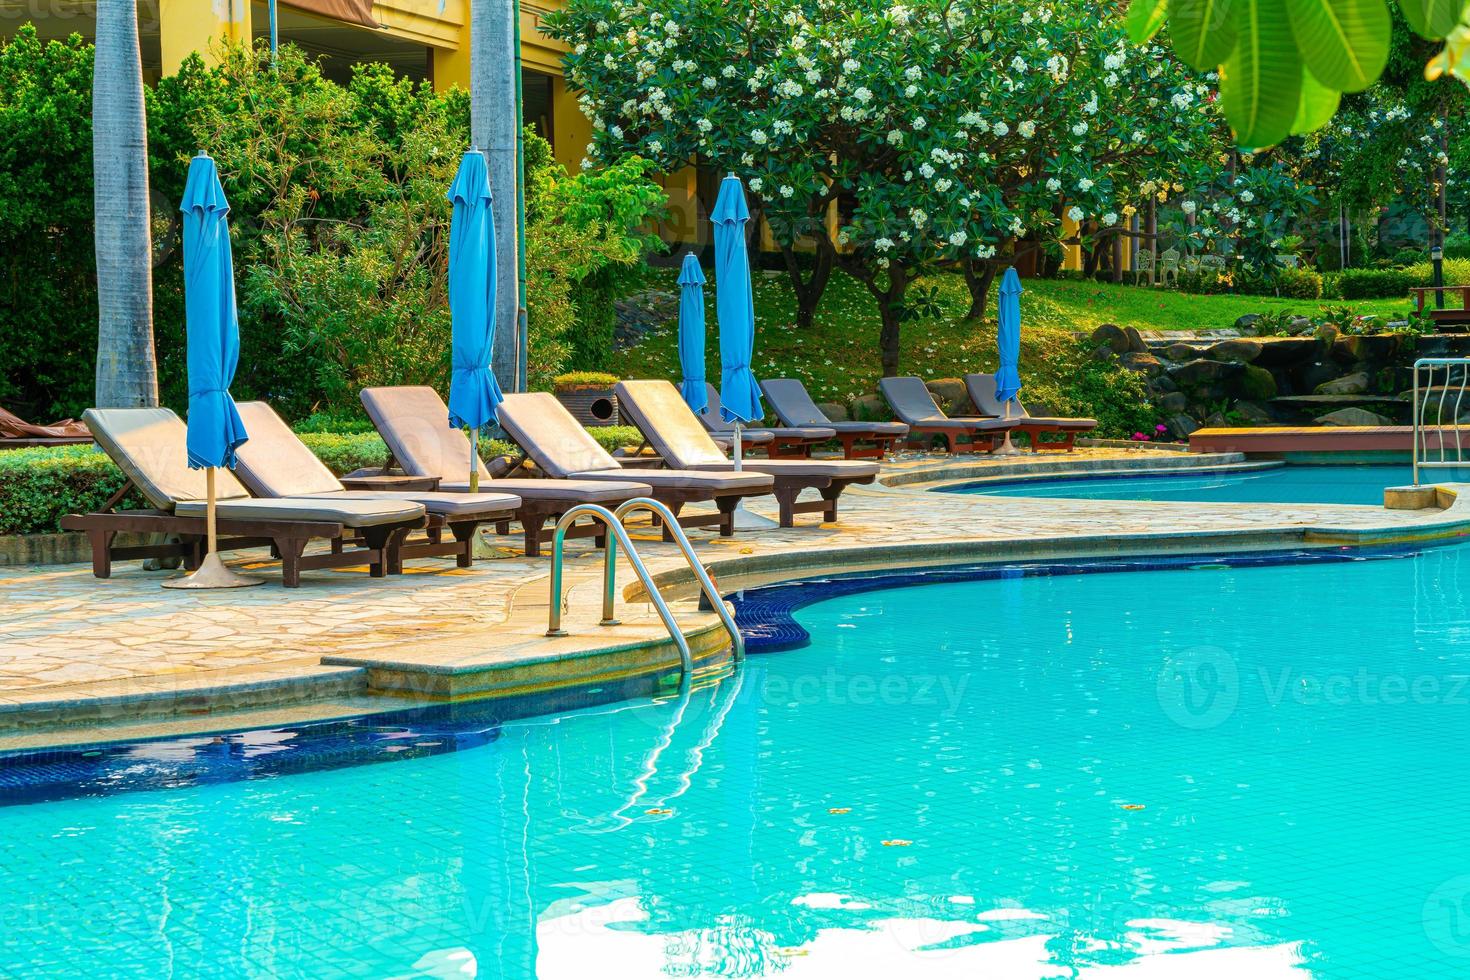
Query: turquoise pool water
x=1216, y=772
x=1284, y=484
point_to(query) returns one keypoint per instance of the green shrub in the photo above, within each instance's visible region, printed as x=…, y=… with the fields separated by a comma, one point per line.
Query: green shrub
x=342, y=421
x=38, y=486
x=1300, y=283
x=1101, y=390
x=1374, y=283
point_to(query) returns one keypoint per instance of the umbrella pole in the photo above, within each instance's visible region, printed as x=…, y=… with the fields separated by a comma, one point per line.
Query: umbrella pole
x=212, y=573
x=1006, y=447
x=475, y=460
x=744, y=519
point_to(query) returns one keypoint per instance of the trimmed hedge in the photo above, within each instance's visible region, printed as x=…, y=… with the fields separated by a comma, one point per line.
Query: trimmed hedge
x=40, y=485
x=1300, y=283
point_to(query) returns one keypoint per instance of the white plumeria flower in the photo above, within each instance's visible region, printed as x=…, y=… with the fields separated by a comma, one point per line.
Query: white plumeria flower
x=1026, y=128
x=787, y=190
x=920, y=122
x=926, y=171
x=1080, y=128
x=1075, y=213
x=1018, y=64
x=1111, y=218
x=894, y=137
x=655, y=147
x=913, y=73
x=1247, y=196
x=1188, y=207
x=863, y=95
x=883, y=244
x=919, y=216
x=1000, y=128
x=759, y=137
x=756, y=184
x=1053, y=185
x=709, y=81
x=911, y=91
x=1085, y=184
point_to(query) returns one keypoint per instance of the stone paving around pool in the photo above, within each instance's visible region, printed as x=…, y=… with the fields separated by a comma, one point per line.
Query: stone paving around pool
x=78, y=651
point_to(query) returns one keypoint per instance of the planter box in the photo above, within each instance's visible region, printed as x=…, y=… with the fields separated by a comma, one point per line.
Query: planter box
x=61, y=548
x=592, y=406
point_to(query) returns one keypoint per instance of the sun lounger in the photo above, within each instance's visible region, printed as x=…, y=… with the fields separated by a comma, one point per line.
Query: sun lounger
x=276, y=463
x=561, y=448
x=982, y=392
x=414, y=422
x=860, y=440
x=783, y=442
x=148, y=445
x=678, y=436
x=913, y=404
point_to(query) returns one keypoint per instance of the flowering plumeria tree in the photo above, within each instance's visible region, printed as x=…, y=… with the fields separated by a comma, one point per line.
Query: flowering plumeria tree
x=932, y=132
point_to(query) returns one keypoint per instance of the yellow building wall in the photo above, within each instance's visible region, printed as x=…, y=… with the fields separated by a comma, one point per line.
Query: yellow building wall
x=186, y=26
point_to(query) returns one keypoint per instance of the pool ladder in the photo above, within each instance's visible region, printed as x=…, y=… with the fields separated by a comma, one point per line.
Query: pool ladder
x=618, y=535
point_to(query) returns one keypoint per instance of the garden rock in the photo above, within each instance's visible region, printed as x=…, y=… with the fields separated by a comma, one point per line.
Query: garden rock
x=1247, y=322
x=870, y=408
x=1202, y=371
x=1253, y=412
x=951, y=395
x=1181, y=425
x=1281, y=351
x=1111, y=336
x=1181, y=352
x=833, y=411
x=1353, y=416
x=1358, y=347
x=1257, y=384
x=1353, y=384
x=1173, y=403
x=1142, y=363
x=1136, y=343
x=1241, y=351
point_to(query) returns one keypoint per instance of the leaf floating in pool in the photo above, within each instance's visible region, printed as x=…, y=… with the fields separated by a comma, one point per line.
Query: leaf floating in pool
x=1131, y=806
x=790, y=951
x=658, y=811
x=897, y=842
x=839, y=809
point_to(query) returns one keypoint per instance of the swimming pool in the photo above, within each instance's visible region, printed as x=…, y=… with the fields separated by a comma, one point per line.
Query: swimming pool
x=1283, y=484
x=1205, y=771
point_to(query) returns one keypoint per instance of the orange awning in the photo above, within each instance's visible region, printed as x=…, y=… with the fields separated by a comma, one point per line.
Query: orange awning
x=359, y=12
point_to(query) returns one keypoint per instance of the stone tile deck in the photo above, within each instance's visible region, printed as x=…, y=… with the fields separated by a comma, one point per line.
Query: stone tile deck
x=77, y=650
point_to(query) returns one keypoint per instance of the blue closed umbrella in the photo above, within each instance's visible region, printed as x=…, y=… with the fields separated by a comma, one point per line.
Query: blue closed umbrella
x=1008, y=342
x=1008, y=338
x=474, y=394
x=212, y=332
x=691, y=333
x=740, y=395
x=211, y=324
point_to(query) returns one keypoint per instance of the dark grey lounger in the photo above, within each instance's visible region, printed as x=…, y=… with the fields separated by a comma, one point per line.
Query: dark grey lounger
x=785, y=442
x=911, y=401
x=982, y=392
x=414, y=422
x=795, y=407
x=558, y=444
x=678, y=436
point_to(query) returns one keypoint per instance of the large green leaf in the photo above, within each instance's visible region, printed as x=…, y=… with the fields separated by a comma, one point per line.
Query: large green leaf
x=1315, y=107
x=1432, y=18
x=1203, y=32
x=1144, y=19
x=1343, y=42
x=1262, y=78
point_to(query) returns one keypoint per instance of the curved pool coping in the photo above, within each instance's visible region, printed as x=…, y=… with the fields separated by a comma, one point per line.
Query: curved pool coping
x=646, y=663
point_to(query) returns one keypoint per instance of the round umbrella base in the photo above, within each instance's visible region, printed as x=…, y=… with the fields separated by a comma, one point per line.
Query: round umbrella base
x=746, y=521
x=212, y=574
x=1006, y=448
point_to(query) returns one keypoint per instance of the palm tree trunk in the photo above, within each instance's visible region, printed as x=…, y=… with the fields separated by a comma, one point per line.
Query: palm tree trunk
x=495, y=127
x=127, y=372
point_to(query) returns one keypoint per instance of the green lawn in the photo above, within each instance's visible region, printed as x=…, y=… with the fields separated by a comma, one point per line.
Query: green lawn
x=838, y=357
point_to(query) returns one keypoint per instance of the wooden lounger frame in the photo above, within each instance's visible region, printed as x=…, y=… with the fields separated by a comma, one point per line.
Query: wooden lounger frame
x=674, y=498
x=287, y=539
x=957, y=439
x=786, y=489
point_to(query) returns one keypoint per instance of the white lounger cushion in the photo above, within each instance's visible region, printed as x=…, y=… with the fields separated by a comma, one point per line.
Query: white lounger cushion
x=150, y=446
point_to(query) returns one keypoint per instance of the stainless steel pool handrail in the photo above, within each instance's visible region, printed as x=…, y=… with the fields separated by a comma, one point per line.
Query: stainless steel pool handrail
x=1422, y=396
x=701, y=574
x=616, y=532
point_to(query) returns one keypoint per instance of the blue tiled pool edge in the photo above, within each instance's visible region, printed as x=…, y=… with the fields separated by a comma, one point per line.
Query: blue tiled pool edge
x=766, y=615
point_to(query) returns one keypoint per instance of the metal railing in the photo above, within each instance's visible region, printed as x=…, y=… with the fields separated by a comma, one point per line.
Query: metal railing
x=1437, y=446
x=618, y=535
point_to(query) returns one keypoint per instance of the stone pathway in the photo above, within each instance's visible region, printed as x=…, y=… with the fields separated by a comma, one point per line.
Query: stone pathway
x=67, y=637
